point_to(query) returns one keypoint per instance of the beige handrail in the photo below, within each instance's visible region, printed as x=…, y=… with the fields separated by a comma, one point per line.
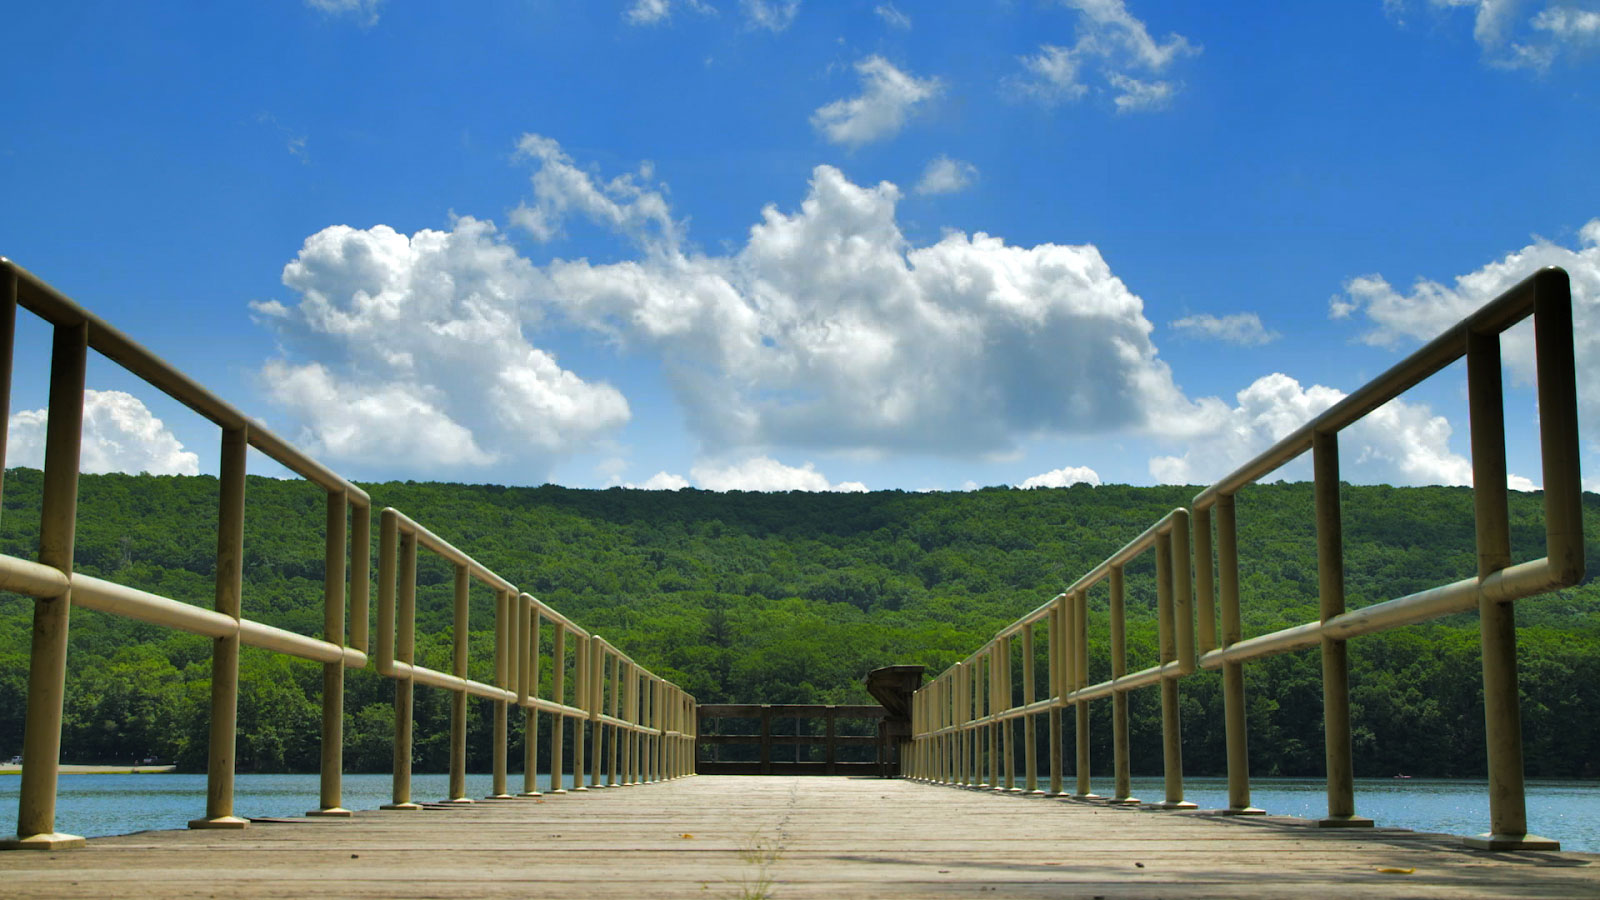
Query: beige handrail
x=653, y=732
x=948, y=714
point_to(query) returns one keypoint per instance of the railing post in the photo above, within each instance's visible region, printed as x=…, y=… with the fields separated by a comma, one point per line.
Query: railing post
x=1335, y=655
x=558, y=692
x=766, y=739
x=1508, y=816
x=504, y=617
x=1030, y=736
x=403, y=570
x=580, y=699
x=333, y=599
x=1008, y=728
x=529, y=689
x=47, y=662
x=225, y=650
x=613, y=671
x=596, y=685
x=1233, y=708
x=458, y=700
x=991, y=707
x=1080, y=613
x=1171, y=725
x=1122, y=782
x=1054, y=635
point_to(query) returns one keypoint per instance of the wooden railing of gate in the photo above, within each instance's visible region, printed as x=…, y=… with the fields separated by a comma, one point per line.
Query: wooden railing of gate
x=964, y=720
x=780, y=751
x=645, y=723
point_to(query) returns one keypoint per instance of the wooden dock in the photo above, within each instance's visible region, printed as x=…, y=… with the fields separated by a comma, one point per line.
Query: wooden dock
x=789, y=837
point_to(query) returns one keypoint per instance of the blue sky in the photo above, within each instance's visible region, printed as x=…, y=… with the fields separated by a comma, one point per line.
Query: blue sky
x=772, y=245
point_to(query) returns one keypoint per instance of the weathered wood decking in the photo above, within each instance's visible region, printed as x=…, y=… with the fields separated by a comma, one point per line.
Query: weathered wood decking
x=788, y=837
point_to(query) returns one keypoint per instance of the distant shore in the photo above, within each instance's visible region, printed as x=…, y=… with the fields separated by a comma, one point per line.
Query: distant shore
x=97, y=770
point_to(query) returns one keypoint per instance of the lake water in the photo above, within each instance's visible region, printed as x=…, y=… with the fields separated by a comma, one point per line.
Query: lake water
x=98, y=805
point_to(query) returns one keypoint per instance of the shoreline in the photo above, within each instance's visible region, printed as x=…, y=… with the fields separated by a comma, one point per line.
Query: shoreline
x=98, y=770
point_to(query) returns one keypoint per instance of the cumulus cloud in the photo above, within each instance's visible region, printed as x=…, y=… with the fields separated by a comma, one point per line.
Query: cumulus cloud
x=1511, y=42
x=417, y=342
x=946, y=176
x=891, y=16
x=630, y=203
x=1398, y=443
x=1244, y=329
x=888, y=97
x=662, y=481
x=1429, y=307
x=828, y=328
x=119, y=435
x=365, y=12
x=762, y=473
x=1110, y=44
x=1066, y=476
x=773, y=15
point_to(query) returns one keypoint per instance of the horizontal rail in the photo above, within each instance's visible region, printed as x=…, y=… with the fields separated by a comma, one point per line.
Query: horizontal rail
x=56, y=308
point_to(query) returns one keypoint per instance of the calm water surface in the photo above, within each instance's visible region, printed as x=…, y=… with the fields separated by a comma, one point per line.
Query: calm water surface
x=97, y=805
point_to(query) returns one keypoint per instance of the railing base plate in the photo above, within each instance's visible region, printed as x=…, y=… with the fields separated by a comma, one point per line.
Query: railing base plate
x=332, y=812
x=1510, y=842
x=1243, y=811
x=530, y=794
x=1180, y=804
x=219, y=822
x=401, y=806
x=54, y=840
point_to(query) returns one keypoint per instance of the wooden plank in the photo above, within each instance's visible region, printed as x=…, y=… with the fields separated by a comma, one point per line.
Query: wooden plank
x=788, y=837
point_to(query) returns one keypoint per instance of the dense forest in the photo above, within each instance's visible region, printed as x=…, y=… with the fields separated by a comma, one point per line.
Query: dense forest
x=793, y=597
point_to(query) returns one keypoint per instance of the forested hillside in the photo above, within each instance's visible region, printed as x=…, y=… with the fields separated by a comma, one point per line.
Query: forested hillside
x=793, y=597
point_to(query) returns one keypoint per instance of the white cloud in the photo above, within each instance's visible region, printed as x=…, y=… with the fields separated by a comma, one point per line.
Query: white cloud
x=648, y=12
x=628, y=203
x=1110, y=21
x=1398, y=443
x=1244, y=329
x=417, y=342
x=1054, y=74
x=891, y=16
x=1066, y=476
x=830, y=329
x=762, y=473
x=656, y=12
x=663, y=481
x=888, y=97
x=946, y=176
x=119, y=435
x=364, y=11
x=1111, y=43
x=1134, y=95
x=1511, y=42
x=773, y=15
x=1430, y=307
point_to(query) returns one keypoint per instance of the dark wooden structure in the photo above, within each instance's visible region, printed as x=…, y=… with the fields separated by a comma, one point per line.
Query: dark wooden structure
x=769, y=756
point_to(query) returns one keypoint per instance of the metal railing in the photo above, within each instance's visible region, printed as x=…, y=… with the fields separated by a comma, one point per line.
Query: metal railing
x=766, y=739
x=657, y=717
x=966, y=715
